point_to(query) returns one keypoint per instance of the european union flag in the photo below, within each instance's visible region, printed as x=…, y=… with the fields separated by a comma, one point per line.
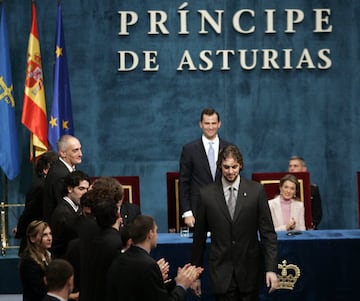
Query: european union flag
x=61, y=120
x=9, y=147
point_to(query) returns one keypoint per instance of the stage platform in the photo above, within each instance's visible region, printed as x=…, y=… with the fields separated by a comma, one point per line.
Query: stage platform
x=328, y=260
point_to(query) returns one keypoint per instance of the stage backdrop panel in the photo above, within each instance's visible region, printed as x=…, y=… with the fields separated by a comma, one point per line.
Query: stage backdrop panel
x=284, y=76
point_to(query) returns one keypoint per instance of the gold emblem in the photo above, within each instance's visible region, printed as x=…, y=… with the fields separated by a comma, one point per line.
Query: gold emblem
x=288, y=276
x=6, y=93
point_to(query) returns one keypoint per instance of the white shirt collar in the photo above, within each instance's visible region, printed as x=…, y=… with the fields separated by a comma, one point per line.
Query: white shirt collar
x=71, y=203
x=206, y=141
x=69, y=167
x=56, y=296
x=227, y=185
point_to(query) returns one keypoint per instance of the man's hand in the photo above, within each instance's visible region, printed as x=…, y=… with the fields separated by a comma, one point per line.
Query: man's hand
x=164, y=268
x=196, y=287
x=189, y=221
x=187, y=275
x=272, y=281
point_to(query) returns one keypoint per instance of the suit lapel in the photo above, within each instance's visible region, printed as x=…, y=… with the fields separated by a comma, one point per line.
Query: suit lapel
x=241, y=198
x=219, y=195
x=202, y=157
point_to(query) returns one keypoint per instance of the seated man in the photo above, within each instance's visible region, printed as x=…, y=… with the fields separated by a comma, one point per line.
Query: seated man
x=297, y=164
x=135, y=276
x=59, y=278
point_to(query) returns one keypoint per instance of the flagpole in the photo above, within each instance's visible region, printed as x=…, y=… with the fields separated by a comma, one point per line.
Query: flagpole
x=3, y=220
x=33, y=159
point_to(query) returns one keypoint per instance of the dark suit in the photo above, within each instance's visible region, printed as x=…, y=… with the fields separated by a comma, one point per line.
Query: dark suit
x=128, y=212
x=316, y=207
x=63, y=223
x=235, y=249
x=135, y=276
x=103, y=249
x=53, y=187
x=33, y=208
x=32, y=279
x=194, y=173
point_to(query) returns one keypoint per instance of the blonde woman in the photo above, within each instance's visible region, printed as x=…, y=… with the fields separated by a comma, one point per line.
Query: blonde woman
x=286, y=211
x=34, y=260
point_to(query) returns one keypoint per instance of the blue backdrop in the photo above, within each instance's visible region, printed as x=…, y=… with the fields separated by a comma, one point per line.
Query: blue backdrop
x=135, y=122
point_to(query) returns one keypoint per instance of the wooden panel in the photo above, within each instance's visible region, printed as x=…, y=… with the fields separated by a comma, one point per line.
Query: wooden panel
x=131, y=186
x=174, y=219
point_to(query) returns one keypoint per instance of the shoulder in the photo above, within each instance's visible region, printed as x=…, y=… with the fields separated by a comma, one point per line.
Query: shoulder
x=50, y=298
x=275, y=201
x=224, y=143
x=28, y=264
x=130, y=206
x=192, y=144
x=63, y=207
x=57, y=168
x=298, y=204
x=250, y=184
x=211, y=187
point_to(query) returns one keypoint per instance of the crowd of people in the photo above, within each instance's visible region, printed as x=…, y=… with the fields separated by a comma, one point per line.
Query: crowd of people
x=81, y=241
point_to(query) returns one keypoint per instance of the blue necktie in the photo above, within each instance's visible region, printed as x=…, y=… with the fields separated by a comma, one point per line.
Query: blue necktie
x=211, y=158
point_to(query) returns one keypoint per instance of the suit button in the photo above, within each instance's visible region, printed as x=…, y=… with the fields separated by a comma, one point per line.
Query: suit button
x=233, y=242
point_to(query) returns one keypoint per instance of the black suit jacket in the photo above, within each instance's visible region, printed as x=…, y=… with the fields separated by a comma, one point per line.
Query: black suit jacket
x=33, y=208
x=235, y=247
x=32, y=279
x=316, y=207
x=135, y=276
x=103, y=249
x=63, y=223
x=53, y=188
x=128, y=212
x=194, y=173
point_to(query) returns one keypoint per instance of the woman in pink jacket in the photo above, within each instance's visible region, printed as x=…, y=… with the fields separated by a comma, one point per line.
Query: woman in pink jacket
x=286, y=210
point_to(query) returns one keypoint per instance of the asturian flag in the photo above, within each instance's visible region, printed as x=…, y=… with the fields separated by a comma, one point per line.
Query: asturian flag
x=9, y=147
x=61, y=120
x=34, y=107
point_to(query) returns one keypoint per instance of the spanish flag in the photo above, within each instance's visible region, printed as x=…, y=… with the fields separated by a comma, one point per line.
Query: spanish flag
x=34, y=107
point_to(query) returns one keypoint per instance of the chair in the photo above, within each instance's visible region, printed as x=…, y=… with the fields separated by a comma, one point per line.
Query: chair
x=174, y=219
x=271, y=182
x=131, y=185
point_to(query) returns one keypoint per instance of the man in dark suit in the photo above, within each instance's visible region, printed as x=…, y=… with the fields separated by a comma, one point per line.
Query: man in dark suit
x=34, y=196
x=70, y=155
x=66, y=213
x=198, y=164
x=235, y=218
x=102, y=250
x=59, y=280
x=297, y=164
x=135, y=275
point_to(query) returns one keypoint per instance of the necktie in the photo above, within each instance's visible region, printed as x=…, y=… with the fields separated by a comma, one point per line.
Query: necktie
x=231, y=201
x=211, y=158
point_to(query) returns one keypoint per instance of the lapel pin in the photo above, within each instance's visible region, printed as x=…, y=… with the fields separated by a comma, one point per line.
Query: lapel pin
x=244, y=194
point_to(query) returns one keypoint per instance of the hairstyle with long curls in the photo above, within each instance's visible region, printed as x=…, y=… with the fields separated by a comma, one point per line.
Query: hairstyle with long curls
x=42, y=257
